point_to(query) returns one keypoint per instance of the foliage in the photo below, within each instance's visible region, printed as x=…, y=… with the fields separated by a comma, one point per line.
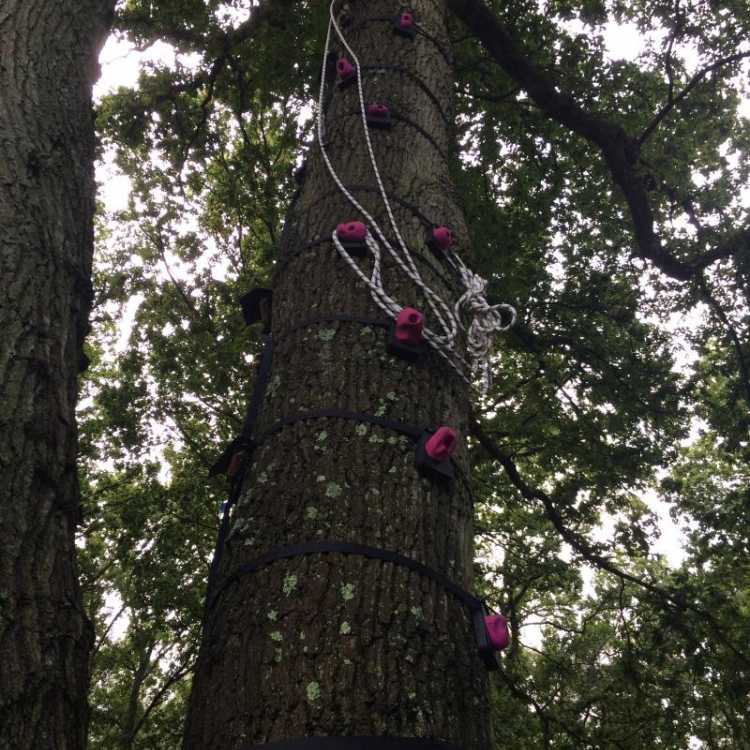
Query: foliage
x=623, y=391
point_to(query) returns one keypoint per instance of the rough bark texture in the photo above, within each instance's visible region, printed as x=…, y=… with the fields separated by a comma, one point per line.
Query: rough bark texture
x=329, y=644
x=47, y=68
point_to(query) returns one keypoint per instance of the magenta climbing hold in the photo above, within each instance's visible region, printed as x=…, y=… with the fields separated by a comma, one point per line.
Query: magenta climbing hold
x=353, y=236
x=443, y=238
x=378, y=110
x=442, y=445
x=404, y=24
x=351, y=231
x=378, y=115
x=433, y=453
x=409, y=327
x=497, y=631
x=346, y=71
x=406, y=339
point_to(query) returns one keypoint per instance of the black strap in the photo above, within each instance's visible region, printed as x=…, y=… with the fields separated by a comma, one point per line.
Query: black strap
x=411, y=431
x=419, y=29
x=213, y=570
x=259, y=392
x=420, y=257
x=367, y=19
x=347, y=548
x=244, y=440
x=396, y=115
x=354, y=188
x=477, y=608
x=446, y=55
x=426, y=222
x=420, y=83
x=400, y=116
x=356, y=743
x=326, y=238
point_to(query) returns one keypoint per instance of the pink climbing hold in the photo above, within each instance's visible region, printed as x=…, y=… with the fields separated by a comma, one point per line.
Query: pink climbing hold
x=378, y=110
x=442, y=445
x=497, y=631
x=406, y=339
x=409, y=326
x=345, y=69
x=443, y=238
x=378, y=116
x=404, y=24
x=432, y=455
x=351, y=231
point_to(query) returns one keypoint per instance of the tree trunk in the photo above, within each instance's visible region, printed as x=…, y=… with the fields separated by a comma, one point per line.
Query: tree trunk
x=47, y=68
x=333, y=644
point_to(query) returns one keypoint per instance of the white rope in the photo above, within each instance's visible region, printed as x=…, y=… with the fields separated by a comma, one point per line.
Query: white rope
x=404, y=260
x=485, y=319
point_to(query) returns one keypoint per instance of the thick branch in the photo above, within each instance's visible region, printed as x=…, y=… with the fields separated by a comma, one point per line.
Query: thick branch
x=621, y=152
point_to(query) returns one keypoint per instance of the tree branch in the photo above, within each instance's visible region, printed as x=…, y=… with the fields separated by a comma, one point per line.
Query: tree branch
x=583, y=548
x=621, y=151
x=672, y=102
x=181, y=671
x=713, y=303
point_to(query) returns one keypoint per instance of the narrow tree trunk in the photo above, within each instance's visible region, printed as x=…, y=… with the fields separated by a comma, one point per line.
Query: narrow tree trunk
x=129, y=724
x=332, y=644
x=47, y=68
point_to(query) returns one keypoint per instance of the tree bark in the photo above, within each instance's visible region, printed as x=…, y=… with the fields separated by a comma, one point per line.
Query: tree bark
x=47, y=69
x=331, y=644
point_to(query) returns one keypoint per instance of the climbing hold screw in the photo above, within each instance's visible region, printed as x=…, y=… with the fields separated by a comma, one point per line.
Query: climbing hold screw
x=406, y=20
x=377, y=110
x=409, y=326
x=433, y=453
x=351, y=231
x=404, y=25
